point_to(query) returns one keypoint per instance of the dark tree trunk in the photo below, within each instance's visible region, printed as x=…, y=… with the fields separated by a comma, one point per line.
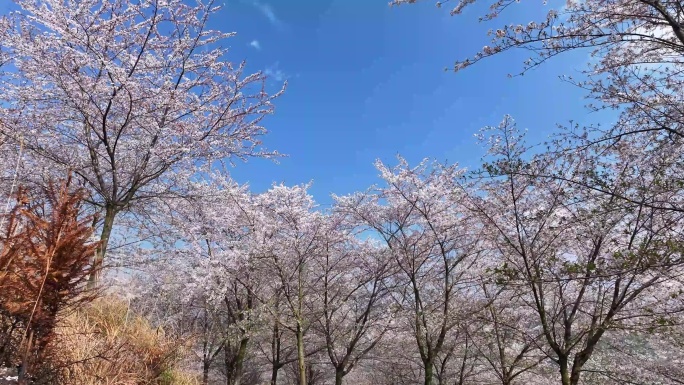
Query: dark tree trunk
x=429, y=370
x=205, y=373
x=98, y=260
x=339, y=375
x=234, y=362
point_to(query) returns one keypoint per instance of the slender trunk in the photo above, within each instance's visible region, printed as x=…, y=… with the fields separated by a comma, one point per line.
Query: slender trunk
x=429, y=368
x=205, y=372
x=275, y=350
x=339, y=375
x=575, y=374
x=565, y=374
x=300, y=329
x=110, y=214
x=240, y=360
x=583, y=356
x=234, y=363
x=25, y=364
x=229, y=364
x=274, y=374
x=301, y=354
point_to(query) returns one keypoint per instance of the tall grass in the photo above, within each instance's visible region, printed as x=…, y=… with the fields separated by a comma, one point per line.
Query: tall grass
x=105, y=344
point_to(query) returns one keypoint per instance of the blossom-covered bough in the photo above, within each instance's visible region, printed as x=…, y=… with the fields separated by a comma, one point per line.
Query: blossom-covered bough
x=419, y=216
x=127, y=95
x=637, y=58
x=590, y=266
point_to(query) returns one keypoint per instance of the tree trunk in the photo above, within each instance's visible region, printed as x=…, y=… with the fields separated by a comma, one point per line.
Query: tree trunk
x=205, y=373
x=110, y=214
x=339, y=375
x=229, y=364
x=234, y=363
x=575, y=377
x=582, y=357
x=301, y=354
x=300, y=329
x=576, y=371
x=274, y=374
x=25, y=360
x=429, y=368
x=275, y=351
x=242, y=352
x=565, y=374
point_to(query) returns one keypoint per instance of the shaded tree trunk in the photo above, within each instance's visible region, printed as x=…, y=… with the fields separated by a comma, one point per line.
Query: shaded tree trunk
x=275, y=354
x=274, y=374
x=25, y=364
x=98, y=260
x=564, y=370
x=205, y=372
x=339, y=376
x=301, y=354
x=429, y=371
x=234, y=363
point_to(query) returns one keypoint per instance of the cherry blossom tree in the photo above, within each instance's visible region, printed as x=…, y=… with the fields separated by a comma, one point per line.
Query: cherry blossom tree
x=636, y=50
x=292, y=230
x=206, y=244
x=419, y=216
x=231, y=244
x=280, y=352
x=353, y=287
x=505, y=335
x=125, y=94
x=621, y=33
x=643, y=358
x=586, y=263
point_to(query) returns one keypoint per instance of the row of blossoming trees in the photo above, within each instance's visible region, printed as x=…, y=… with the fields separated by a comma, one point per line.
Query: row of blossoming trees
x=436, y=276
x=555, y=266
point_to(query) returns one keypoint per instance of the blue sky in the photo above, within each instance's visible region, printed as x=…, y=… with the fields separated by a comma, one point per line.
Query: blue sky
x=367, y=81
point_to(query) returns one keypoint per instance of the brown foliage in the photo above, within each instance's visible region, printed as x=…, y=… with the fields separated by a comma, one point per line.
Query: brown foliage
x=45, y=261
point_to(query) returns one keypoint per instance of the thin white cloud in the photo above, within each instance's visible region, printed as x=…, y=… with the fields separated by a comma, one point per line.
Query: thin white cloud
x=268, y=12
x=256, y=45
x=275, y=73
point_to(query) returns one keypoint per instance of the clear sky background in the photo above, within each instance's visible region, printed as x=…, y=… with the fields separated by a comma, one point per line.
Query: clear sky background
x=367, y=81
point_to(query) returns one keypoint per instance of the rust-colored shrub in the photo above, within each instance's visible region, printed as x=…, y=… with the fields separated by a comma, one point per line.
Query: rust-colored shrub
x=45, y=260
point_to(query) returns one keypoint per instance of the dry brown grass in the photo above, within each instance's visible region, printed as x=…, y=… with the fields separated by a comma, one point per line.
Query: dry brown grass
x=106, y=344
